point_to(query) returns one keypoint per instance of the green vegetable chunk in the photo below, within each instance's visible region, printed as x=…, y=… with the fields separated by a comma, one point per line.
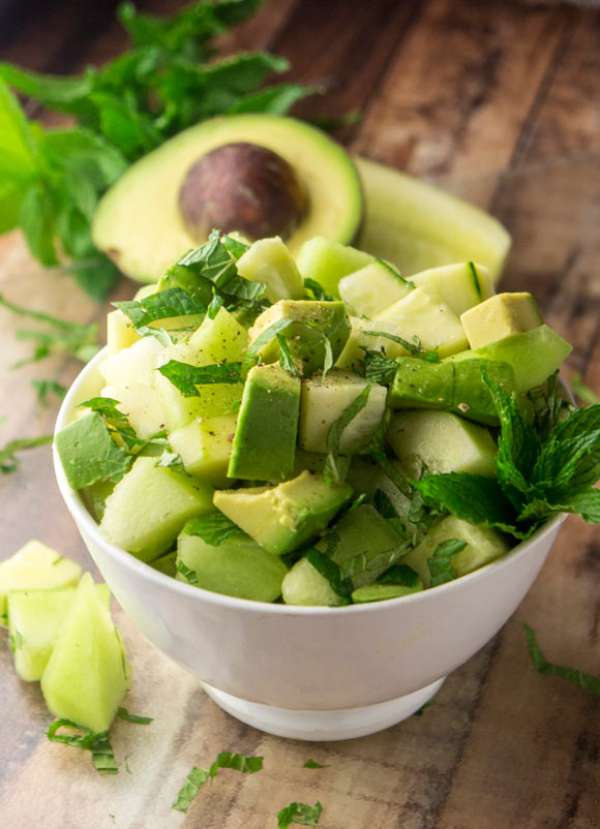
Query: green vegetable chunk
x=327, y=262
x=460, y=286
x=87, y=675
x=452, y=386
x=499, y=317
x=381, y=592
x=149, y=507
x=299, y=813
x=264, y=445
x=282, y=518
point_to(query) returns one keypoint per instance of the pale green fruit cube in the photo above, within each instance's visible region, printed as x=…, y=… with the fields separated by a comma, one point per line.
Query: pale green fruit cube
x=306, y=587
x=460, y=286
x=219, y=340
x=87, y=674
x=269, y=261
x=204, y=446
x=373, y=288
x=35, y=566
x=138, y=402
x=327, y=262
x=135, y=364
x=120, y=331
x=149, y=506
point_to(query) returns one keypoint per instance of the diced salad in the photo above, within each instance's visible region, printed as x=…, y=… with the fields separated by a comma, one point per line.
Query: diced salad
x=321, y=431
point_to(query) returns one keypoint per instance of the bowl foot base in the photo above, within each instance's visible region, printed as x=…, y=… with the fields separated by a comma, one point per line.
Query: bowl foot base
x=336, y=724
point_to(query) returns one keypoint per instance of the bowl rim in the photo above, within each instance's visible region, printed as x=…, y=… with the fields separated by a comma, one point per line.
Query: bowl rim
x=84, y=520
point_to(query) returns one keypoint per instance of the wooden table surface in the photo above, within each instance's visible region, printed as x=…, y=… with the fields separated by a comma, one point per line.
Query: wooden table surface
x=499, y=101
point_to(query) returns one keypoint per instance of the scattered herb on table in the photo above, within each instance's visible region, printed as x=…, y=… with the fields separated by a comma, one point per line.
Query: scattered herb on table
x=8, y=453
x=78, y=736
x=45, y=388
x=137, y=719
x=168, y=80
x=301, y=814
x=588, y=682
x=197, y=777
x=312, y=764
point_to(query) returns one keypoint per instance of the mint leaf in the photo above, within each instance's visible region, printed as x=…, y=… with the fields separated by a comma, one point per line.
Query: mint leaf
x=173, y=302
x=188, y=574
x=379, y=368
x=116, y=423
x=89, y=454
x=214, y=528
x=440, y=563
x=473, y=498
x=336, y=430
x=98, y=743
x=123, y=714
x=583, y=680
x=312, y=764
x=586, y=504
x=264, y=338
x=198, y=777
x=316, y=291
x=400, y=574
x=301, y=814
x=414, y=348
x=44, y=388
x=286, y=361
x=475, y=279
x=329, y=570
x=8, y=453
x=190, y=789
x=187, y=378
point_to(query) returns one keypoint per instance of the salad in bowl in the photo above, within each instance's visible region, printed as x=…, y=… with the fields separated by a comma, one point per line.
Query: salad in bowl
x=323, y=431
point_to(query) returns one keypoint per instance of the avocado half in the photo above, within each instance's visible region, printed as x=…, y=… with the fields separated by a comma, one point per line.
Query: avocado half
x=262, y=175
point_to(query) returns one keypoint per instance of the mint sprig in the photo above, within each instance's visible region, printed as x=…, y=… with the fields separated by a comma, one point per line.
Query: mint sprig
x=587, y=682
x=301, y=814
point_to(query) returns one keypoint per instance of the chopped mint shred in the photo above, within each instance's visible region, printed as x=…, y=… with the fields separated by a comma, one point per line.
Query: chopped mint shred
x=379, y=368
x=79, y=736
x=414, y=348
x=327, y=567
x=138, y=719
x=186, y=378
x=8, y=453
x=172, y=302
x=286, y=360
x=475, y=279
x=587, y=682
x=198, y=777
x=45, y=388
x=312, y=764
x=190, y=789
x=188, y=574
x=440, y=563
x=214, y=528
x=264, y=338
x=316, y=291
x=336, y=430
x=300, y=814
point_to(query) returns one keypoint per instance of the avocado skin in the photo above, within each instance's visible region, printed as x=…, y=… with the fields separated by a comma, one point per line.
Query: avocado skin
x=452, y=386
x=264, y=445
x=312, y=321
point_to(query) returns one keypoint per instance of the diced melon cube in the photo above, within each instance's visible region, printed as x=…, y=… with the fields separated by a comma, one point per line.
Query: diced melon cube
x=138, y=402
x=269, y=261
x=373, y=288
x=420, y=317
x=134, y=364
x=482, y=546
x=87, y=675
x=149, y=506
x=327, y=262
x=120, y=332
x=176, y=409
x=460, y=286
x=442, y=442
x=305, y=586
x=204, y=446
x=35, y=618
x=35, y=566
x=322, y=402
x=219, y=340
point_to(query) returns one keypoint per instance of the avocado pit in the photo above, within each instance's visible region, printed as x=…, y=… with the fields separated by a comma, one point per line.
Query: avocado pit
x=244, y=187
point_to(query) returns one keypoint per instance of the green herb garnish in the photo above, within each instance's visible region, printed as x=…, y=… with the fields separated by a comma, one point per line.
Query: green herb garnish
x=187, y=378
x=8, y=453
x=61, y=337
x=123, y=714
x=301, y=814
x=312, y=764
x=188, y=574
x=440, y=563
x=89, y=454
x=117, y=423
x=98, y=743
x=44, y=388
x=214, y=528
x=327, y=567
x=379, y=368
x=414, y=348
x=172, y=302
x=198, y=777
x=475, y=279
x=400, y=574
x=316, y=291
x=286, y=360
x=583, y=680
x=336, y=430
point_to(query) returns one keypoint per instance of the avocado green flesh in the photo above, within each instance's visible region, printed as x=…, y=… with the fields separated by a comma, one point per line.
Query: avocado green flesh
x=281, y=519
x=264, y=445
x=138, y=222
x=500, y=316
x=238, y=568
x=534, y=355
x=452, y=386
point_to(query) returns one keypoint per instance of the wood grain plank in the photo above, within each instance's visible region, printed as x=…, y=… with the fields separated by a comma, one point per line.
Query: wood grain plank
x=460, y=88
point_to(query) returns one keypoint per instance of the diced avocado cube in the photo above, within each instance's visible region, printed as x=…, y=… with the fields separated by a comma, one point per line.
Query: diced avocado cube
x=284, y=517
x=441, y=442
x=324, y=400
x=264, y=444
x=500, y=316
x=381, y=592
x=204, y=446
x=534, y=355
x=149, y=506
x=373, y=288
x=421, y=317
x=305, y=586
x=237, y=567
x=327, y=262
x=120, y=332
x=166, y=564
x=269, y=261
x=453, y=386
x=311, y=324
x=87, y=674
x=35, y=566
x=35, y=618
x=482, y=546
x=460, y=286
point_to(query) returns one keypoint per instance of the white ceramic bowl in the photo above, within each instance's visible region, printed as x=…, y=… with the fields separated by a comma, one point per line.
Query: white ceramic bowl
x=310, y=673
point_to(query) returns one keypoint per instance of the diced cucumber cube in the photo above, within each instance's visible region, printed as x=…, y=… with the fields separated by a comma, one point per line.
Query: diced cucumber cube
x=327, y=262
x=269, y=261
x=460, y=286
x=204, y=446
x=372, y=289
